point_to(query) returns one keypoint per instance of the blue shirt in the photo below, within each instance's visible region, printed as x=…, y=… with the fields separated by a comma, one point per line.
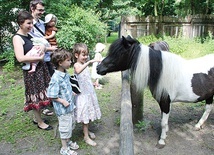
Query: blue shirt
x=34, y=32
x=60, y=87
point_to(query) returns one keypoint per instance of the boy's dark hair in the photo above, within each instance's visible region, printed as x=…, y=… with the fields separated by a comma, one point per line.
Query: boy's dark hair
x=34, y=3
x=22, y=16
x=78, y=48
x=60, y=55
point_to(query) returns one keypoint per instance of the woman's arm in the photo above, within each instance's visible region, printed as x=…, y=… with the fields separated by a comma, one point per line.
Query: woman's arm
x=19, y=51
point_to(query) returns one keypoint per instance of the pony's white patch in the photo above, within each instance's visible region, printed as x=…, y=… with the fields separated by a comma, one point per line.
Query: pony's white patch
x=142, y=71
x=176, y=75
x=204, y=117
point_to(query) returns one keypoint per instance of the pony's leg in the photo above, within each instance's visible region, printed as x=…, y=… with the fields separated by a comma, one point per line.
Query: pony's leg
x=165, y=111
x=206, y=113
x=164, y=129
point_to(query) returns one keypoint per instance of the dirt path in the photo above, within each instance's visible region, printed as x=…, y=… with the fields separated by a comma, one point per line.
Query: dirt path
x=181, y=140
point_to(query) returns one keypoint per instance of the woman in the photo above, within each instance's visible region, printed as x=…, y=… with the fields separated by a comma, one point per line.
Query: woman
x=35, y=83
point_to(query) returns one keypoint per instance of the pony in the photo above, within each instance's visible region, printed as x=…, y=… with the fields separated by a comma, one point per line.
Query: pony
x=169, y=77
x=160, y=45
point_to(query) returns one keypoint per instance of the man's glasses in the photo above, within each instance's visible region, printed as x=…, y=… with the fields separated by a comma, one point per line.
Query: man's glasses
x=41, y=10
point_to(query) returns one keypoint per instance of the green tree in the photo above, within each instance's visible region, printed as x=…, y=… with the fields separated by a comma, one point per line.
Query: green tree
x=80, y=26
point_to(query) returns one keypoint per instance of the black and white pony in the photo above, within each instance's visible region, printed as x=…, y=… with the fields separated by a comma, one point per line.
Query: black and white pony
x=169, y=77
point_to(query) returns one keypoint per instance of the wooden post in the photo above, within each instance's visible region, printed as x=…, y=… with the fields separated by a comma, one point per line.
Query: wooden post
x=126, y=125
x=137, y=104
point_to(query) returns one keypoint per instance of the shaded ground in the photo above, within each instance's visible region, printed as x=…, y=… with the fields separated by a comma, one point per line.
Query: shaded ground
x=181, y=140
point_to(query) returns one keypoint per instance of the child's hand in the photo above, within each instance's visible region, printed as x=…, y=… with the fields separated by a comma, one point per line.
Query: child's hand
x=65, y=103
x=94, y=60
x=52, y=48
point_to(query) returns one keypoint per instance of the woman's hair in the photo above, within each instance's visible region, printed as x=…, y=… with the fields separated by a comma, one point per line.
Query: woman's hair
x=22, y=16
x=79, y=48
x=34, y=3
x=60, y=55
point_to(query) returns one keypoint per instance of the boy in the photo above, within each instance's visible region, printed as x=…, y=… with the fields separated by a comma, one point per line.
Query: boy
x=60, y=91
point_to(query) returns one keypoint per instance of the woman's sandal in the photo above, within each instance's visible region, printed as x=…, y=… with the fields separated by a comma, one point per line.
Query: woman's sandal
x=47, y=112
x=44, y=120
x=90, y=142
x=73, y=145
x=92, y=135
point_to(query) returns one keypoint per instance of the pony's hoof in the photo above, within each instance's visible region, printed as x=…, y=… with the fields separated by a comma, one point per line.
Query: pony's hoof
x=160, y=146
x=197, y=127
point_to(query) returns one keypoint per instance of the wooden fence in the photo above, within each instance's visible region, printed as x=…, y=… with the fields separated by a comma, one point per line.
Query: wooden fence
x=131, y=112
x=190, y=26
x=126, y=125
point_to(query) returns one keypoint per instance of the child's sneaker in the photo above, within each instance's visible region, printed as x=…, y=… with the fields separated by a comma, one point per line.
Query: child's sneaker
x=67, y=152
x=73, y=145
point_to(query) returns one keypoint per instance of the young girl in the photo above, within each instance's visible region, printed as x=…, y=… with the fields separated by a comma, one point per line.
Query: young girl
x=60, y=91
x=87, y=104
x=98, y=49
x=50, y=29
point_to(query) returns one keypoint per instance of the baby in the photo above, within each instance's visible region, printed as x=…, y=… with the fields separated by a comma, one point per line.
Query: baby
x=35, y=52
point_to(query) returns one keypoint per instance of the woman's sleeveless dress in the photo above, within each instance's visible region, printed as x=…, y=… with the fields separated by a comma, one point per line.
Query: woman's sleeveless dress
x=36, y=83
x=87, y=107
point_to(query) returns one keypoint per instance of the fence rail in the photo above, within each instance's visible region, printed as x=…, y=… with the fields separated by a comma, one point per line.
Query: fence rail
x=126, y=125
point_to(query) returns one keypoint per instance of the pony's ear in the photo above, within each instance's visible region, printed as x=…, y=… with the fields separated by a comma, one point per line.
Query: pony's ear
x=129, y=37
x=125, y=42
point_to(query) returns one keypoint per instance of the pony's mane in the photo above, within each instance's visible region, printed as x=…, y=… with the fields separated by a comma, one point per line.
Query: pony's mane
x=142, y=70
x=114, y=47
x=129, y=47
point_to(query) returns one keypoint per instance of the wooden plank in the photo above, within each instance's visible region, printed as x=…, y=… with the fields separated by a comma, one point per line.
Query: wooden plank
x=126, y=125
x=137, y=104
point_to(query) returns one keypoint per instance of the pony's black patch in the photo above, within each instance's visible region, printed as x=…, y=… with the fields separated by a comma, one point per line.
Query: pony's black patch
x=203, y=84
x=164, y=103
x=156, y=65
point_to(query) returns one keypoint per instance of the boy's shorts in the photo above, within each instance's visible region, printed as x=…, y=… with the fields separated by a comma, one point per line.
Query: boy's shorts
x=66, y=125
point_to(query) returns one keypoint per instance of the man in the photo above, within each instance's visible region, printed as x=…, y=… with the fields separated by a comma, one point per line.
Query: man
x=37, y=8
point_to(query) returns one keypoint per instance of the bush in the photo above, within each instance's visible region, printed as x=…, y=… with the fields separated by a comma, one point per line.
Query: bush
x=80, y=26
x=187, y=48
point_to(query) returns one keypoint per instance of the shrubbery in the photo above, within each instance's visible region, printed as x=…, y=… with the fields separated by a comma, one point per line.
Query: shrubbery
x=187, y=48
x=80, y=26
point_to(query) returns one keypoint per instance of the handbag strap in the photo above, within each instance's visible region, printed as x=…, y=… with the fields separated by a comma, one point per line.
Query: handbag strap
x=39, y=29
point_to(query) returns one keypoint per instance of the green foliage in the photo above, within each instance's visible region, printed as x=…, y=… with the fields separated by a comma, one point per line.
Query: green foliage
x=148, y=39
x=184, y=46
x=142, y=125
x=8, y=56
x=80, y=26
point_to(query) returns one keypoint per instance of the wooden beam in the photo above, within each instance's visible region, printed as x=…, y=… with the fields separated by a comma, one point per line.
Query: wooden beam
x=126, y=125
